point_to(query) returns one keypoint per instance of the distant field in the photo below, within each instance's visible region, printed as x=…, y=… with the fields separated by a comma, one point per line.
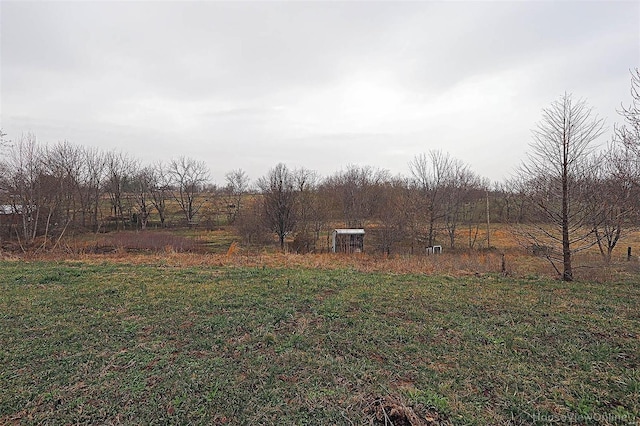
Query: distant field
x=111, y=342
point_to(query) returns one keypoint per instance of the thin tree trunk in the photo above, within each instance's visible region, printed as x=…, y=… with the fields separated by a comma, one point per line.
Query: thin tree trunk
x=566, y=248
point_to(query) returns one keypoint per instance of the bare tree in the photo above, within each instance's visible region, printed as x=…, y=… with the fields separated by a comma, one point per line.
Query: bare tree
x=308, y=209
x=431, y=173
x=237, y=187
x=613, y=196
x=96, y=164
x=512, y=200
x=313, y=204
x=142, y=187
x=475, y=210
x=617, y=177
x=279, y=201
x=305, y=183
x=629, y=133
x=555, y=170
x=22, y=182
x=66, y=161
x=3, y=141
x=353, y=192
x=160, y=190
x=627, y=136
x=461, y=188
x=120, y=168
x=61, y=186
x=250, y=223
x=392, y=212
x=58, y=181
x=188, y=177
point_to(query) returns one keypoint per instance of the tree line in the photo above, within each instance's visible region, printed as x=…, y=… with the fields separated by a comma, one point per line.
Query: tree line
x=571, y=192
x=49, y=189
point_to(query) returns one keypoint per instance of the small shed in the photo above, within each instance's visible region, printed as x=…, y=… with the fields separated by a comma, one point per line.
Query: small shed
x=9, y=216
x=9, y=213
x=434, y=249
x=348, y=240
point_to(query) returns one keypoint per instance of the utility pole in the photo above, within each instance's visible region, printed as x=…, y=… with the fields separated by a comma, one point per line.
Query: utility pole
x=488, y=223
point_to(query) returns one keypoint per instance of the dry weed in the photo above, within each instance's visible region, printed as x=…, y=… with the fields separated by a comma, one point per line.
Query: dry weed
x=475, y=263
x=165, y=248
x=391, y=411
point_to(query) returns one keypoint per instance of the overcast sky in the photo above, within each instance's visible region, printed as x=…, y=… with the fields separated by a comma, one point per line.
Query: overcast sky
x=318, y=85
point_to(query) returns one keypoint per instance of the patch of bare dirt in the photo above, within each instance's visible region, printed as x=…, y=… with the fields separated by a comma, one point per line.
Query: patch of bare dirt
x=390, y=411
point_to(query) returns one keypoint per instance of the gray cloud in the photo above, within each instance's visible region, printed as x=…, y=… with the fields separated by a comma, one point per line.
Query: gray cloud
x=315, y=84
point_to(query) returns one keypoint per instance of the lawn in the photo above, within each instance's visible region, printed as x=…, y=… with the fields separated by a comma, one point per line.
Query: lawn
x=109, y=343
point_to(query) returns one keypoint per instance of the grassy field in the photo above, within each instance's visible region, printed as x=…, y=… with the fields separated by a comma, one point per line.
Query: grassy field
x=113, y=342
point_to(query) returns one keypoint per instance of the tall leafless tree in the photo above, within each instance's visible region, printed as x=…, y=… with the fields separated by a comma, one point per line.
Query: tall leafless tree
x=353, y=191
x=309, y=209
x=142, y=187
x=188, y=177
x=313, y=204
x=66, y=161
x=57, y=181
x=96, y=165
x=22, y=182
x=431, y=174
x=555, y=169
x=305, y=183
x=279, y=201
x=474, y=210
x=461, y=188
x=392, y=213
x=160, y=190
x=120, y=168
x=512, y=200
x=237, y=186
x=629, y=132
x=627, y=136
x=613, y=196
x=617, y=177
x=3, y=141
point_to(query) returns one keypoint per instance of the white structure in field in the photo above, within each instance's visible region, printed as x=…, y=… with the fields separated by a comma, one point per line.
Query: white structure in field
x=434, y=249
x=348, y=240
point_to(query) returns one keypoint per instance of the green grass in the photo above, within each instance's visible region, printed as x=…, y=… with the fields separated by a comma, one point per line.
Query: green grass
x=117, y=343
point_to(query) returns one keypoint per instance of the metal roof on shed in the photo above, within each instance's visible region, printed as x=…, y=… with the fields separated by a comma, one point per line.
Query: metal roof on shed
x=349, y=231
x=7, y=209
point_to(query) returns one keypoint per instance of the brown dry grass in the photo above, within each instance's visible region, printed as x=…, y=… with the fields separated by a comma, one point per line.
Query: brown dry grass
x=448, y=264
x=195, y=249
